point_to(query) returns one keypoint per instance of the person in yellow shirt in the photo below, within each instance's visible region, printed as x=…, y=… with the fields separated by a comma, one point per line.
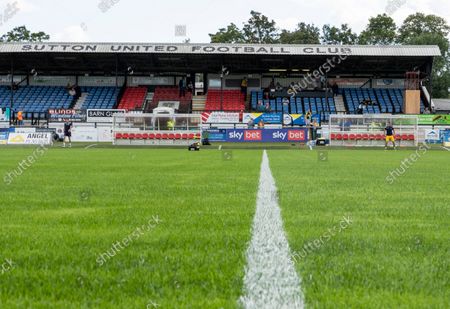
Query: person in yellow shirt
x=244, y=86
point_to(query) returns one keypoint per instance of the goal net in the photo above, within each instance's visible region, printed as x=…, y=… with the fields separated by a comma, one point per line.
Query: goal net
x=368, y=130
x=156, y=129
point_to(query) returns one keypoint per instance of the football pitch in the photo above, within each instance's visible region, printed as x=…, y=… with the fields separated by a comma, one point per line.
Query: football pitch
x=168, y=228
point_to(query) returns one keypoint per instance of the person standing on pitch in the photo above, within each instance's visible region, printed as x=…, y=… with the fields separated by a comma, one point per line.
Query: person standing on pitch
x=67, y=133
x=390, y=135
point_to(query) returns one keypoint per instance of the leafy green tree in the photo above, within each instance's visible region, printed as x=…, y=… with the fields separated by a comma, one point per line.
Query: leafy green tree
x=231, y=34
x=419, y=23
x=304, y=34
x=22, y=34
x=381, y=30
x=421, y=29
x=259, y=29
x=341, y=36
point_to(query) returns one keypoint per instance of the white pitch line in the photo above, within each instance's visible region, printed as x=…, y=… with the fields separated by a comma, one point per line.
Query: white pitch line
x=90, y=146
x=270, y=280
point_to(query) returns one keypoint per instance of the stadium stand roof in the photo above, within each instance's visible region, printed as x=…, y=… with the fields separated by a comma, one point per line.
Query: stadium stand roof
x=110, y=58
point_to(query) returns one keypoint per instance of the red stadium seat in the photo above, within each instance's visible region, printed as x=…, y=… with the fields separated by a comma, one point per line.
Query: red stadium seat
x=379, y=137
x=125, y=136
x=405, y=137
x=118, y=135
x=372, y=137
x=352, y=137
x=151, y=136
x=184, y=136
x=171, y=136
x=398, y=137
x=177, y=136
x=138, y=136
x=365, y=137
x=132, y=136
x=165, y=136
x=339, y=137
x=345, y=137
x=191, y=136
x=411, y=137
x=145, y=136
x=198, y=136
x=358, y=137
x=333, y=136
x=158, y=136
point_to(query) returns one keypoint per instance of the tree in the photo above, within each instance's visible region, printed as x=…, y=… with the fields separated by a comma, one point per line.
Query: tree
x=304, y=34
x=259, y=29
x=381, y=30
x=421, y=29
x=441, y=67
x=22, y=34
x=231, y=34
x=419, y=23
x=341, y=36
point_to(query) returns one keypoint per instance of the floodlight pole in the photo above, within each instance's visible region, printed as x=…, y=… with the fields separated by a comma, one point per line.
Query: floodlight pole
x=11, y=103
x=221, y=93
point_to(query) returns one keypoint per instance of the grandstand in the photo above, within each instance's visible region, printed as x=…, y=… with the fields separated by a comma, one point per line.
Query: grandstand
x=369, y=73
x=36, y=99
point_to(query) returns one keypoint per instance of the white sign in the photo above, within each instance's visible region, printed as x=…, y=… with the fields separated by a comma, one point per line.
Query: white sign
x=103, y=115
x=220, y=117
x=30, y=138
x=84, y=134
x=148, y=80
x=433, y=135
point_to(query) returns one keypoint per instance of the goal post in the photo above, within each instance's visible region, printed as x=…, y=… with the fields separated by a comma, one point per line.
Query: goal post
x=156, y=129
x=368, y=130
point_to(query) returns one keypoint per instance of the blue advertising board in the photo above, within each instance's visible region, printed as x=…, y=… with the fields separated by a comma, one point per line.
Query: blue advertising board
x=4, y=136
x=260, y=136
x=446, y=137
x=279, y=118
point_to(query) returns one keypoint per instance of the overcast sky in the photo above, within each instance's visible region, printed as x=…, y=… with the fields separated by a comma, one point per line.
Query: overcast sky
x=154, y=21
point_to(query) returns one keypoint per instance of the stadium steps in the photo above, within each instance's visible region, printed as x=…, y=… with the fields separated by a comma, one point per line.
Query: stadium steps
x=148, y=101
x=340, y=104
x=198, y=103
x=81, y=100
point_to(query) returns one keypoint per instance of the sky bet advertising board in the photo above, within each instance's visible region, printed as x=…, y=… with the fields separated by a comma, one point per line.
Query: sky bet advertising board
x=259, y=136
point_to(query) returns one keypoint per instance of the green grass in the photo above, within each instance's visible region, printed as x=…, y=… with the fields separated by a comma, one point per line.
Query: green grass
x=73, y=204
x=395, y=253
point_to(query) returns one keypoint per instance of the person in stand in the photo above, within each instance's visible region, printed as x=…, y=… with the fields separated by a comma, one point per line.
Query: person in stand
x=260, y=106
x=267, y=108
x=390, y=135
x=261, y=124
x=251, y=124
x=190, y=87
x=360, y=110
x=244, y=86
x=67, y=133
x=182, y=87
x=335, y=89
x=308, y=117
x=20, y=118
